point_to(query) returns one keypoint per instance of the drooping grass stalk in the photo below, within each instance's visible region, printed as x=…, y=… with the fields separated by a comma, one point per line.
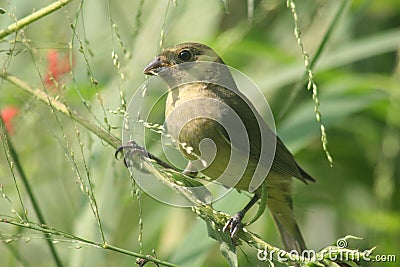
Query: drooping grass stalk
x=25, y=181
x=86, y=189
x=33, y=17
x=93, y=81
x=136, y=195
x=314, y=59
x=4, y=142
x=117, y=64
x=309, y=63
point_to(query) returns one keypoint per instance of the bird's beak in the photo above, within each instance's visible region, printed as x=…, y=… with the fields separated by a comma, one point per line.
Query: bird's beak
x=155, y=67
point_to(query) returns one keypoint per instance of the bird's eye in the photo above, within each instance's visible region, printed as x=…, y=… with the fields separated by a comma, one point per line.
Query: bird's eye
x=185, y=55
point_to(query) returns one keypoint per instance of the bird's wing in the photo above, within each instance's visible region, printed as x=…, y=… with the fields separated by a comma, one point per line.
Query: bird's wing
x=283, y=162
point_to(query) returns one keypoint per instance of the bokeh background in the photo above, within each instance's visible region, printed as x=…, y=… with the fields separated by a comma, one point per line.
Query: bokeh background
x=91, y=54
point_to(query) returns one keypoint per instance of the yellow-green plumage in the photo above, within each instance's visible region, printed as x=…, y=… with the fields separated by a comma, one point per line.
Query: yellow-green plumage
x=186, y=101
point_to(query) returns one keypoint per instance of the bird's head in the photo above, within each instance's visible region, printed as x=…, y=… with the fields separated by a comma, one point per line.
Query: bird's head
x=188, y=63
x=181, y=53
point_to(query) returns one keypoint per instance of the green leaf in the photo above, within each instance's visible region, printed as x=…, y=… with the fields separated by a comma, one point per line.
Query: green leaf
x=229, y=253
x=228, y=249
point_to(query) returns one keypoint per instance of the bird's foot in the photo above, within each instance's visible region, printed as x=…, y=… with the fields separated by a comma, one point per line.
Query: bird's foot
x=134, y=155
x=130, y=151
x=234, y=224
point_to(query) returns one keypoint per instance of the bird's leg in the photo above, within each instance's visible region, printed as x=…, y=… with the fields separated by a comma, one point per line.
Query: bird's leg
x=190, y=170
x=132, y=150
x=235, y=222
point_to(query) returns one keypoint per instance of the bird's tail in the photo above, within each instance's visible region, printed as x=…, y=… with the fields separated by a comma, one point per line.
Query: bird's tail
x=279, y=200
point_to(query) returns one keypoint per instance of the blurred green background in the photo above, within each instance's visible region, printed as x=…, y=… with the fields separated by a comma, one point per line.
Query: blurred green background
x=90, y=53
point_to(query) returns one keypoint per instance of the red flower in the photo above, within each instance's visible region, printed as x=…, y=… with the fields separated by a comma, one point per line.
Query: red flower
x=57, y=66
x=7, y=114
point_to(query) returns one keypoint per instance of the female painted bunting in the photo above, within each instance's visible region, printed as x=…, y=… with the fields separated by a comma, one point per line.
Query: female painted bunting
x=203, y=102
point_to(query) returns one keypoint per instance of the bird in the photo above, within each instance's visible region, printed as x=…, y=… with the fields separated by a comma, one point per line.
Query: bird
x=198, y=105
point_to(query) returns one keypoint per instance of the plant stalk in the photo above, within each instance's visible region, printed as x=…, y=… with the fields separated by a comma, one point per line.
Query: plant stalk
x=33, y=17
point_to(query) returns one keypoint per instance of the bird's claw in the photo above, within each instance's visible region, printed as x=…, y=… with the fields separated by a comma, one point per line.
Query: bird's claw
x=129, y=151
x=234, y=224
x=135, y=155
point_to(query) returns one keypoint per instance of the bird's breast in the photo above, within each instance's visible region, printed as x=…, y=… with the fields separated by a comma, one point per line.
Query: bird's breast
x=193, y=113
x=196, y=113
